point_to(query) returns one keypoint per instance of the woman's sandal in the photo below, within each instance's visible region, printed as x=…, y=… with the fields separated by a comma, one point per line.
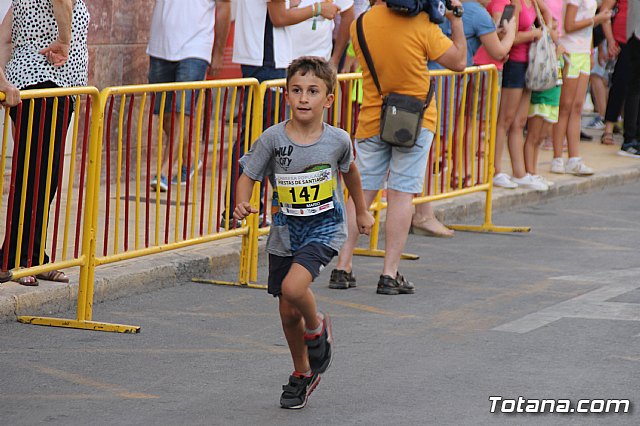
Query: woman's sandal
x=431, y=227
x=57, y=276
x=29, y=281
x=607, y=139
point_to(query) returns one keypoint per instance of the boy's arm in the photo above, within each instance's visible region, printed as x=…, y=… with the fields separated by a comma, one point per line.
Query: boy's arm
x=244, y=189
x=364, y=219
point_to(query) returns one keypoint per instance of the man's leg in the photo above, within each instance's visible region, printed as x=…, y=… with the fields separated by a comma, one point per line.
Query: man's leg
x=399, y=212
x=190, y=69
x=345, y=257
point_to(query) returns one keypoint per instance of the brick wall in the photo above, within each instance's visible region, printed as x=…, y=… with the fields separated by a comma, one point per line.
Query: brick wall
x=118, y=36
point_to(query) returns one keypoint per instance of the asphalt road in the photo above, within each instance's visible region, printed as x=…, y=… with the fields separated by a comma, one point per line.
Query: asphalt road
x=551, y=314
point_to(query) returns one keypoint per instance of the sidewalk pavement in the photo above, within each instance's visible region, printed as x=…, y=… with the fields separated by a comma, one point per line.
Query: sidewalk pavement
x=222, y=258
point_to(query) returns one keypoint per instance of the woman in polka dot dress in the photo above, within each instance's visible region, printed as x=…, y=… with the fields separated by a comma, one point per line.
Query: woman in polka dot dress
x=47, y=41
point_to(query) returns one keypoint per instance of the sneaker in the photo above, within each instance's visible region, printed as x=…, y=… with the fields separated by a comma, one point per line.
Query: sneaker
x=528, y=181
x=630, y=149
x=585, y=137
x=504, y=181
x=392, y=286
x=557, y=166
x=295, y=394
x=576, y=166
x=163, y=183
x=319, y=347
x=596, y=124
x=543, y=180
x=342, y=279
x=183, y=174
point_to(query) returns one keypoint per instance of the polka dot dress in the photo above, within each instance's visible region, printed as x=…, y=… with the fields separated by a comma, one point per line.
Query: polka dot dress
x=34, y=28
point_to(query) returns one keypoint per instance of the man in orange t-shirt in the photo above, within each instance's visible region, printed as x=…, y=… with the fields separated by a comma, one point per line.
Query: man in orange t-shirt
x=400, y=47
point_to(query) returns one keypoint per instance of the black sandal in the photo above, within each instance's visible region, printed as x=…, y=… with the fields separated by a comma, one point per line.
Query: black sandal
x=607, y=139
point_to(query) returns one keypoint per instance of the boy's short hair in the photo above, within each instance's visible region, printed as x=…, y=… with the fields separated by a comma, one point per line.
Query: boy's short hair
x=316, y=65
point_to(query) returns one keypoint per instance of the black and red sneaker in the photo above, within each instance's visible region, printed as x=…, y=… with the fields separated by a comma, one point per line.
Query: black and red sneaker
x=320, y=346
x=295, y=394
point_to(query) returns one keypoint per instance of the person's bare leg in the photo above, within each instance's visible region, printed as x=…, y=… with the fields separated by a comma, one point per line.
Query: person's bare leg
x=293, y=327
x=176, y=145
x=599, y=94
x=532, y=143
x=399, y=212
x=575, y=117
x=509, y=102
x=425, y=219
x=567, y=96
x=296, y=291
x=345, y=257
x=516, y=136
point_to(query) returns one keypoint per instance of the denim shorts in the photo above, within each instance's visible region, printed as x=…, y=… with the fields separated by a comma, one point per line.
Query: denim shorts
x=404, y=168
x=314, y=257
x=513, y=75
x=161, y=71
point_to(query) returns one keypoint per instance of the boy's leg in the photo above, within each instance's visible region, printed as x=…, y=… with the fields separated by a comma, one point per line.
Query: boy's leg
x=293, y=327
x=532, y=142
x=296, y=292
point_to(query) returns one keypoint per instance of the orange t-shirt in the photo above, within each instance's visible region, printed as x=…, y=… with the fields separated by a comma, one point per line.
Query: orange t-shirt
x=400, y=47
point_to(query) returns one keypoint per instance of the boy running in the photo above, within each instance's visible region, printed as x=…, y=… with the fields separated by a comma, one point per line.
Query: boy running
x=302, y=158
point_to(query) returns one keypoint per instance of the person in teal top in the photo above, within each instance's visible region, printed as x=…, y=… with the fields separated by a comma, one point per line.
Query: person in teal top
x=543, y=114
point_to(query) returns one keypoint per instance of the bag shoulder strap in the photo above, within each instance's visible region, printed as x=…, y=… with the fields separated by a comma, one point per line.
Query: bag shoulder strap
x=540, y=17
x=362, y=41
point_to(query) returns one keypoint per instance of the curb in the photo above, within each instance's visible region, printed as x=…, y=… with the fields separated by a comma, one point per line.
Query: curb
x=222, y=258
x=124, y=279
x=472, y=206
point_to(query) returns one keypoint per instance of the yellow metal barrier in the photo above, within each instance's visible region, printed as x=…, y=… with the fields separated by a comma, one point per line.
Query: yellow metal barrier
x=70, y=112
x=190, y=216
x=124, y=120
x=461, y=160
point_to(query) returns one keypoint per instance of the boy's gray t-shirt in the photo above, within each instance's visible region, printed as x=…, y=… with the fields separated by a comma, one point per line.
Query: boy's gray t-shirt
x=306, y=186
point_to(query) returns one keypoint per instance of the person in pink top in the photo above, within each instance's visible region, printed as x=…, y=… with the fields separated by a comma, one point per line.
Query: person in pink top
x=482, y=57
x=514, y=99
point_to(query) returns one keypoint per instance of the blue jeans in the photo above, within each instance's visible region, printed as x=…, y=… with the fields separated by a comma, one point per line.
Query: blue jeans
x=190, y=69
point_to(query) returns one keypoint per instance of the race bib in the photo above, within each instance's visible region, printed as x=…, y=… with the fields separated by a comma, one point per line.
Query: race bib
x=305, y=194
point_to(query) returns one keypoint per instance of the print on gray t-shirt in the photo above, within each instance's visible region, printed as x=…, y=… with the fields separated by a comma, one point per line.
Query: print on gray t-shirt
x=275, y=153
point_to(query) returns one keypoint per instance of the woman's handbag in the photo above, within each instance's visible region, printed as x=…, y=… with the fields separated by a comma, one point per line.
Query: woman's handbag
x=542, y=72
x=401, y=116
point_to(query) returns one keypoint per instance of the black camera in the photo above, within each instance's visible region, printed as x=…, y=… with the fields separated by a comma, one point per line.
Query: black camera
x=434, y=8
